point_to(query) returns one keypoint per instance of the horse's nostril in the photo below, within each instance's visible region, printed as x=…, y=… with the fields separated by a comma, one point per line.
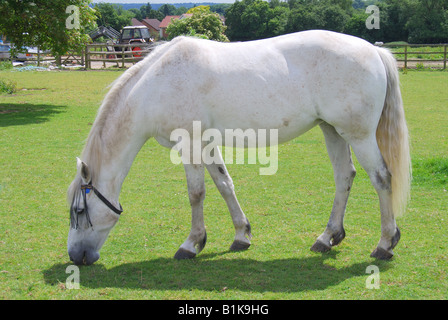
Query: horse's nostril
x=83, y=257
x=90, y=257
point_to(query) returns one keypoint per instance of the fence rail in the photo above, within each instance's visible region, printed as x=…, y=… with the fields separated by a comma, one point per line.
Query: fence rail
x=120, y=54
x=37, y=58
x=413, y=52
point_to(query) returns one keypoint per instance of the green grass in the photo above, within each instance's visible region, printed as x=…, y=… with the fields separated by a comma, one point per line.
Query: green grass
x=43, y=129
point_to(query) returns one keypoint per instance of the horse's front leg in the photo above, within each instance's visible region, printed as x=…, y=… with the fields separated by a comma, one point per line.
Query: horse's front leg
x=196, y=192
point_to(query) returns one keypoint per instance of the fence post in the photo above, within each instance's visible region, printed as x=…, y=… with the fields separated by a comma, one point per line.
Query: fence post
x=122, y=56
x=103, y=57
x=444, y=56
x=38, y=56
x=86, y=65
x=405, y=56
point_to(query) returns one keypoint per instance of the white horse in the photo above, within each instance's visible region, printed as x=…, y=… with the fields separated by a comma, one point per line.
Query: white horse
x=292, y=83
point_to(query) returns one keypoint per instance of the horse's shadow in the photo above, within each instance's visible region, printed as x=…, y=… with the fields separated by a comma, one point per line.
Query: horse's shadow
x=209, y=274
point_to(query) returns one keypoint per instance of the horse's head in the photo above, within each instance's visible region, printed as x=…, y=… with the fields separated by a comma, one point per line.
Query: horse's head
x=92, y=217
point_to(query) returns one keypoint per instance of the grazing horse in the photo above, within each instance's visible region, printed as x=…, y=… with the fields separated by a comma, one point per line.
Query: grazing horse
x=289, y=83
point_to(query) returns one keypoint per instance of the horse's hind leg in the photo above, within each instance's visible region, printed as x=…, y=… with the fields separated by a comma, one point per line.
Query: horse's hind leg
x=344, y=173
x=224, y=183
x=369, y=156
x=196, y=192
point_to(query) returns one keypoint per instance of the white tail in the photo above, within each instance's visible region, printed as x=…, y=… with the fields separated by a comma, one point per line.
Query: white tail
x=393, y=138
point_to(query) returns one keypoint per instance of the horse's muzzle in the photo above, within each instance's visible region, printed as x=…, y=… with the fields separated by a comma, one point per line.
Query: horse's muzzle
x=83, y=256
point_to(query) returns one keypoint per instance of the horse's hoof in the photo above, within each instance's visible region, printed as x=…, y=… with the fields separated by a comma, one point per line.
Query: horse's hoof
x=381, y=254
x=319, y=246
x=184, y=254
x=238, y=245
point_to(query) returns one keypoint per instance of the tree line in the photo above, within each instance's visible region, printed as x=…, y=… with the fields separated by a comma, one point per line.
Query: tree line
x=413, y=21
x=63, y=25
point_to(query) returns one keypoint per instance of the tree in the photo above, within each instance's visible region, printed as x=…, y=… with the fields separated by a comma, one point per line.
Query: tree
x=137, y=14
x=428, y=22
x=303, y=18
x=414, y=21
x=235, y=30
x=220, y=8
x=256, y=19
x=199, y=9
x=113, y=15
x=167, y=10
x=356, y=26
x=56, y=25
x=393, y=18
x=148, y=12
x=202, y=23
x=312, y=14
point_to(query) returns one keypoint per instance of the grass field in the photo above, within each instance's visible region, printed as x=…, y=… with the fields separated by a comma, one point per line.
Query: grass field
x=43, y=128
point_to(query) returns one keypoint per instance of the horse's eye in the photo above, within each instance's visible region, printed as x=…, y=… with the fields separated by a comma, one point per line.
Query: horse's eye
x=80, y=211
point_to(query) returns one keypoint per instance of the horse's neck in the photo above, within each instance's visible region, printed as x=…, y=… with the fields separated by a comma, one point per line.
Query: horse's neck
x=115, y=138
x=111, y=149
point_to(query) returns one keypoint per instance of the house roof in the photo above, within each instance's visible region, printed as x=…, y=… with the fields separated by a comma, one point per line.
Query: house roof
x=186, y=15
x=135, y=22
x=155, y=23
x=167, y=21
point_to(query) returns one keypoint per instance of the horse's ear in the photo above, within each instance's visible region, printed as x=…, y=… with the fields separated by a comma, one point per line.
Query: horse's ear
x=84, y=171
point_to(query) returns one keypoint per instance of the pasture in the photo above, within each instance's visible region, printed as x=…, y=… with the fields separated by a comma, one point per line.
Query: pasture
x=43, y=128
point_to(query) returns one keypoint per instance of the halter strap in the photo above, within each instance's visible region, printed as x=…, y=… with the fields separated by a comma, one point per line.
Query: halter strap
x=89, y=186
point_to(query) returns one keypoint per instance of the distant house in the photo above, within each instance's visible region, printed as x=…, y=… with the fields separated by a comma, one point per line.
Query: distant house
x=186, y=15
x=153, y=25
x=165, y=23
x=168, y=20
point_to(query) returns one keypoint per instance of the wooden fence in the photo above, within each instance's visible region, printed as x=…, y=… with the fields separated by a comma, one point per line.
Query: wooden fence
x=119, y=54
x=413, y=53
x=124, y=55
x=45, y=58
x=37, y=58
x=410, y=55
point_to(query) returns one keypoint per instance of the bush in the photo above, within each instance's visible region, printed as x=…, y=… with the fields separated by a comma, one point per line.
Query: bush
x=7, y=86
x=5, y=65
x=203, y=24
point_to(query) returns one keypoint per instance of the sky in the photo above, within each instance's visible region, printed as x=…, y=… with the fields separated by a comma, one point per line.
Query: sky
x=164, y=1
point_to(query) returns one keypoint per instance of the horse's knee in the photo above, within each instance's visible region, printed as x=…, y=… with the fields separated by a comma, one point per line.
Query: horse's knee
x=196, y=196
x=382, y=179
